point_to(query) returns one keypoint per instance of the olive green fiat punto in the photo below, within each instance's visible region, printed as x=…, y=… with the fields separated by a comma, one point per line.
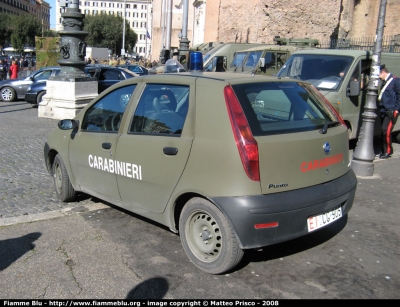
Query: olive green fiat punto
x=229, y=161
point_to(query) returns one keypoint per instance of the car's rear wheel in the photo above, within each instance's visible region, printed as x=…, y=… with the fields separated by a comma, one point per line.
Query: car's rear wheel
x=8, y=94
x=208, y=237
x=64, y=189
x=40, y=97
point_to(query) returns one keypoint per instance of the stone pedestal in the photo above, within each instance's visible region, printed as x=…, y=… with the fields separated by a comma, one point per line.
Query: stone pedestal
x=65, y=99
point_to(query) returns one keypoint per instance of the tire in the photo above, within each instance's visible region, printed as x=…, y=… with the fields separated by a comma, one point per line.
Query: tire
x=8, y=94
x=40, y=97
x=397, y=137
x=64, y=190
x=208, y=237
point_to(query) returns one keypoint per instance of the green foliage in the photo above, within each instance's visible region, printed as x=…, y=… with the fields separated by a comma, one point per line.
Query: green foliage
x=50, y=33
x=106, y=31
x=5, y=31
x=24, y=29
x=47, y=51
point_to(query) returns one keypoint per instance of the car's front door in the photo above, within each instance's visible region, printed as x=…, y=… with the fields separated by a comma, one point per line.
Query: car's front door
x=92, y=149
x=154, y=151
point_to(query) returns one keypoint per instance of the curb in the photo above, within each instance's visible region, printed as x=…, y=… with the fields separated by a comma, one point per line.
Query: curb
x=51, y=214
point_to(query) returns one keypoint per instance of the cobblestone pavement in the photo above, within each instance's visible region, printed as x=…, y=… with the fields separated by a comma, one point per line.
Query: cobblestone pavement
x=26, y=187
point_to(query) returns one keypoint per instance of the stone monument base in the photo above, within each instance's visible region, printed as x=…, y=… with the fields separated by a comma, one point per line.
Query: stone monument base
x=65, y=99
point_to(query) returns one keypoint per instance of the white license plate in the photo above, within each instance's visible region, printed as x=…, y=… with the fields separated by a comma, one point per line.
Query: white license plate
x=319, y=221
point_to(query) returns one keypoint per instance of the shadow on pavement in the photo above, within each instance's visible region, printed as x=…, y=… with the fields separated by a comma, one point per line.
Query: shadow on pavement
x=11, y=104
x=12, y=249
x=295, y=246
x=153, y=288
x=11, y=111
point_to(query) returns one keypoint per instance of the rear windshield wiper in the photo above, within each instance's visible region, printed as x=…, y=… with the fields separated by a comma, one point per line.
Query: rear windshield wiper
x=328, y=124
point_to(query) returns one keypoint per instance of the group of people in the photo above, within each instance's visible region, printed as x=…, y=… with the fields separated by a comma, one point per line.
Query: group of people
x=10, y=71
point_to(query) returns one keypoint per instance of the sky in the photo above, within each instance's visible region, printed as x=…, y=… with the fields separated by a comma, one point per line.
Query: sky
x=52, y=13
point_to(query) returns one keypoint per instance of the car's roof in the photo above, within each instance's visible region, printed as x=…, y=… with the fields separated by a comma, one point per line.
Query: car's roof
x=334, y=52
x=50, y=67
x=222, y=76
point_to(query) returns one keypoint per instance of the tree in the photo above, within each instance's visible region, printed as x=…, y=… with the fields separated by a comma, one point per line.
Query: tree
x=50, y=33
x=5, y=32
x=106, y=31
x=24, y=29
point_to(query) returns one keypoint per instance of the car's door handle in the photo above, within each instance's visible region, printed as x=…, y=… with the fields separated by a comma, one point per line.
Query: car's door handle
x=106, y=145
x=170, y=151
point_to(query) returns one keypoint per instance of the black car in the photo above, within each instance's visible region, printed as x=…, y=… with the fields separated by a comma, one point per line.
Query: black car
x=13, y=89
x=137, y=69
x=105, y=75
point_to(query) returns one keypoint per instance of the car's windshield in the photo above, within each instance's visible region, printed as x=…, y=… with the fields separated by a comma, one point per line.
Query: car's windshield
x=33, y=74
x=43, y=75
x=325, y=72
x=211, y=52
x=238, y=59
x=252, y=59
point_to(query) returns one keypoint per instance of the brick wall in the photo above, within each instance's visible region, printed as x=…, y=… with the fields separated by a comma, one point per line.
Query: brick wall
x=260, y=20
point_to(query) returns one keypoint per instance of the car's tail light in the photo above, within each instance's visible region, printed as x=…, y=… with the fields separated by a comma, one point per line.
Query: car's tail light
x=247, y=145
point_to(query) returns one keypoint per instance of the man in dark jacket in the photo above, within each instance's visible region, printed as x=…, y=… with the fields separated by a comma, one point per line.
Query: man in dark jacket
x=3, y=70
x=389, y=106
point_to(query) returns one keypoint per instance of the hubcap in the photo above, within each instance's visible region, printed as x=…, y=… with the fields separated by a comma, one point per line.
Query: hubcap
x=203, y=236
x=6, y=94
x=58, y=178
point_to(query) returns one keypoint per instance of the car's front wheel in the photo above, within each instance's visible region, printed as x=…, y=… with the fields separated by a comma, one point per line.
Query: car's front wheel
x=64, y=189
x=208, y=237
x=8, y=94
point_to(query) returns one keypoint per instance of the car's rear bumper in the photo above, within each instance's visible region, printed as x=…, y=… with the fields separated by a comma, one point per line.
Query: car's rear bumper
x=289, y=209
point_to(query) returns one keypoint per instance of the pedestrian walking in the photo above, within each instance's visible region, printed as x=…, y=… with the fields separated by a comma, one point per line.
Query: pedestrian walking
x=3, y=70
x=13, y=70
x=389, y=107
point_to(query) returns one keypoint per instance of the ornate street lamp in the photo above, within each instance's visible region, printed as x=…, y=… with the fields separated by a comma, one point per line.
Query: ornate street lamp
x=362, y=163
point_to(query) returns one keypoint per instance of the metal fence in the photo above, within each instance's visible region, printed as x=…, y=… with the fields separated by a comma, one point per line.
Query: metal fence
x=23, y=73
x=389, y=43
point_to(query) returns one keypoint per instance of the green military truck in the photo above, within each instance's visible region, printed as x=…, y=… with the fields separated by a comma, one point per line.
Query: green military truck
x=262, y=60
x=219, y=57
x=342, y=77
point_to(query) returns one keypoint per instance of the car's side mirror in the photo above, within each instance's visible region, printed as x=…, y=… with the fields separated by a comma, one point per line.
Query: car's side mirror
x=67, y=124
x=354, y=88
x=262, y=62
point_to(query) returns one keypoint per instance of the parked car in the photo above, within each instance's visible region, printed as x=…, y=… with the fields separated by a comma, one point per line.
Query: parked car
x=105, y=75
x=109, y=75
x=13, y=89
x=229, y=161
x=137, y=69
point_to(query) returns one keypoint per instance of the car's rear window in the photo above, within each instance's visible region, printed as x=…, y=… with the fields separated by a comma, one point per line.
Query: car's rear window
x=282, y=107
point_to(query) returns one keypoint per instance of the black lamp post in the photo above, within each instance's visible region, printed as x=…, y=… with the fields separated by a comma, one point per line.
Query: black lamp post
x=69, y=92
x=362, y=163
x=72, y=43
